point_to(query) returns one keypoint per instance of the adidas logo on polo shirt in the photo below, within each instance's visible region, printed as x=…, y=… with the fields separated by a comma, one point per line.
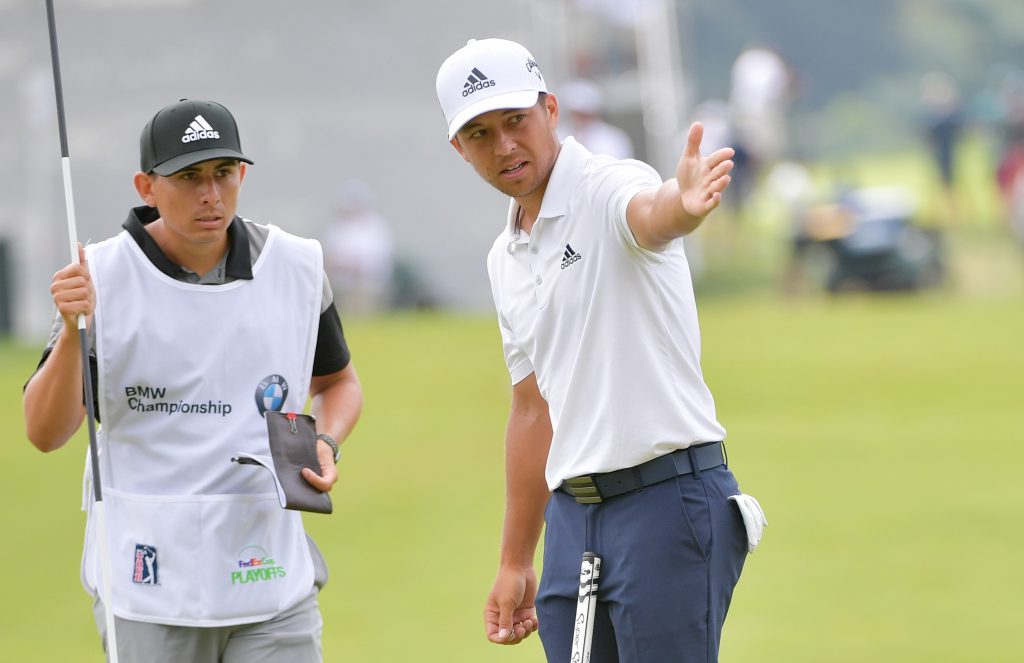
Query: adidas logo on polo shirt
x=477, y=80
x=198, y=130
x=569, y=257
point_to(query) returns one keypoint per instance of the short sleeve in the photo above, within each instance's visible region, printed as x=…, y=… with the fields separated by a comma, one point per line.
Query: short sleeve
x=614, y=183
x=519, y=366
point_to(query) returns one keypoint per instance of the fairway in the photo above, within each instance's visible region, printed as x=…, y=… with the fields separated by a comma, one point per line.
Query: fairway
x=881, y=435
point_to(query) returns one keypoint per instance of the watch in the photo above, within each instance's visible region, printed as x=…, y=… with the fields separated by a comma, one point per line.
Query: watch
x=331, y=441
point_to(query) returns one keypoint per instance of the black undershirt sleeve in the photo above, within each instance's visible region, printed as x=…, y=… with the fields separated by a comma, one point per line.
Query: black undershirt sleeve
x=331, y=354
x=93, y=374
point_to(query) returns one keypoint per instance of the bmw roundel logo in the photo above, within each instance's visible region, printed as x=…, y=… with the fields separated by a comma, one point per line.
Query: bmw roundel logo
x=271, y=393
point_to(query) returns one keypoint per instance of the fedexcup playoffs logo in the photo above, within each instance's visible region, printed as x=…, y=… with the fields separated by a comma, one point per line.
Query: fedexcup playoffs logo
x=255, y=565
x=271, y=393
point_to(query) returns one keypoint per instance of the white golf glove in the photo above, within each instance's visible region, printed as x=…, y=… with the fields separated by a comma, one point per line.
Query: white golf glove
x=753, y=519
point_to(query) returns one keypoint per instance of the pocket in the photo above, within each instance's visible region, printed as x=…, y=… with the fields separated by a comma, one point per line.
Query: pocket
x=207, y=560
x=150, y=574
x=696, y=513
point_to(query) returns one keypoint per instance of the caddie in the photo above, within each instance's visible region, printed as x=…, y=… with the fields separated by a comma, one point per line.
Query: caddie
x=200, y=322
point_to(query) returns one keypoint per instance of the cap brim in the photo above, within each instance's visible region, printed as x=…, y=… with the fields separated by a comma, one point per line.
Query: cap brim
x=521, y=99
x=181, y=161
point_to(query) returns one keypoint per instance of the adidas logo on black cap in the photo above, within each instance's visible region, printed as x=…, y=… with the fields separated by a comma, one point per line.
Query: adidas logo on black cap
x=477, y=80
x=198, y=130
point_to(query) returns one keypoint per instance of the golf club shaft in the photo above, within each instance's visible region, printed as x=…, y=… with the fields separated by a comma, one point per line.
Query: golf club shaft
x=90, y=416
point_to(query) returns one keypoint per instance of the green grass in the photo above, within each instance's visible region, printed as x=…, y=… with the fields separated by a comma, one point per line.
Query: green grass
x=880, y=434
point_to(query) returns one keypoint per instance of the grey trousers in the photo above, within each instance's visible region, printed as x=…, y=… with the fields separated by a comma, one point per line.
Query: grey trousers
x=291, y=637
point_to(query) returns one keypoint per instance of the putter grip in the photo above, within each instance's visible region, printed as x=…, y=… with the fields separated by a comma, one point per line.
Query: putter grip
x=583, y=625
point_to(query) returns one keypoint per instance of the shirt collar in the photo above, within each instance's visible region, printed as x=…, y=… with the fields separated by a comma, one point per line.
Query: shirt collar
x=564, y=176
x=238, y=264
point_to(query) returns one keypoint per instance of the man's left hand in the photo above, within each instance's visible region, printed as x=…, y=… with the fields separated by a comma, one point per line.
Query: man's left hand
x=328, y=470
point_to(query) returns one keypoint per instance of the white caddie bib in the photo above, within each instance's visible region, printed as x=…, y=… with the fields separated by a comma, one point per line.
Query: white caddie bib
x=185, y=374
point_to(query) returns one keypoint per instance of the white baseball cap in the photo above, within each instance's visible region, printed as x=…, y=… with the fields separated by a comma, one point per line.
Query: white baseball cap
x=486, y=75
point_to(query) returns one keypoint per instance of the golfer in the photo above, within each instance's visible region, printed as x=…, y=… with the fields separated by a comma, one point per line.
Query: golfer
x=612, y=437
x=200, y=321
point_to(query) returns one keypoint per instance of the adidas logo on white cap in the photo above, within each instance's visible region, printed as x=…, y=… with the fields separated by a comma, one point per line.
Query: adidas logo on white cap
x=477, y=81
x=198, y=130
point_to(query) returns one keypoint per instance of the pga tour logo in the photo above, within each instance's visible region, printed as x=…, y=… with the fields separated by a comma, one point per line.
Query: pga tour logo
x=271, y=393
x=144, y=570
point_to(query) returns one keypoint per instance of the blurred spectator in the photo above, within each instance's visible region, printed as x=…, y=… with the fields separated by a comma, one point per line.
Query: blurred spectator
x=762, y=86
x=714, y=115
x=944, y=123
x=1010, y=170
x=584, y=103
x=358, y=253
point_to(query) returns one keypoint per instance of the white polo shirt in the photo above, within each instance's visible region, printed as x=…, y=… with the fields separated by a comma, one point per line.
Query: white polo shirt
x=609, y=328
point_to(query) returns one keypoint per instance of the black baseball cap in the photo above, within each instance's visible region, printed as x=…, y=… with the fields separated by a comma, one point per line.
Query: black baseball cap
x=186, y=133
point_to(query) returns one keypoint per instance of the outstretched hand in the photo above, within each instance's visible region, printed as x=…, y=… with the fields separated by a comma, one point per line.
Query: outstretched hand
x=509, y=615
x=702, y=179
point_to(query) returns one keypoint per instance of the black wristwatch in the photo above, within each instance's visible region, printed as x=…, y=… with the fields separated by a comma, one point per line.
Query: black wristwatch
x=331, y=441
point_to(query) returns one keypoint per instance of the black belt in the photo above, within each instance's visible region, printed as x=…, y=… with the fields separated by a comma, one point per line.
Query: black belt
x=593, y=488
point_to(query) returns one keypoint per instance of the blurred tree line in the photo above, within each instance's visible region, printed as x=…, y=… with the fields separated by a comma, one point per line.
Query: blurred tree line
x=859, y=65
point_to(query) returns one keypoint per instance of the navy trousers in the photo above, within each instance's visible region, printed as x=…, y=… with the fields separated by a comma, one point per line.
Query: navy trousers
x=671, y=556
